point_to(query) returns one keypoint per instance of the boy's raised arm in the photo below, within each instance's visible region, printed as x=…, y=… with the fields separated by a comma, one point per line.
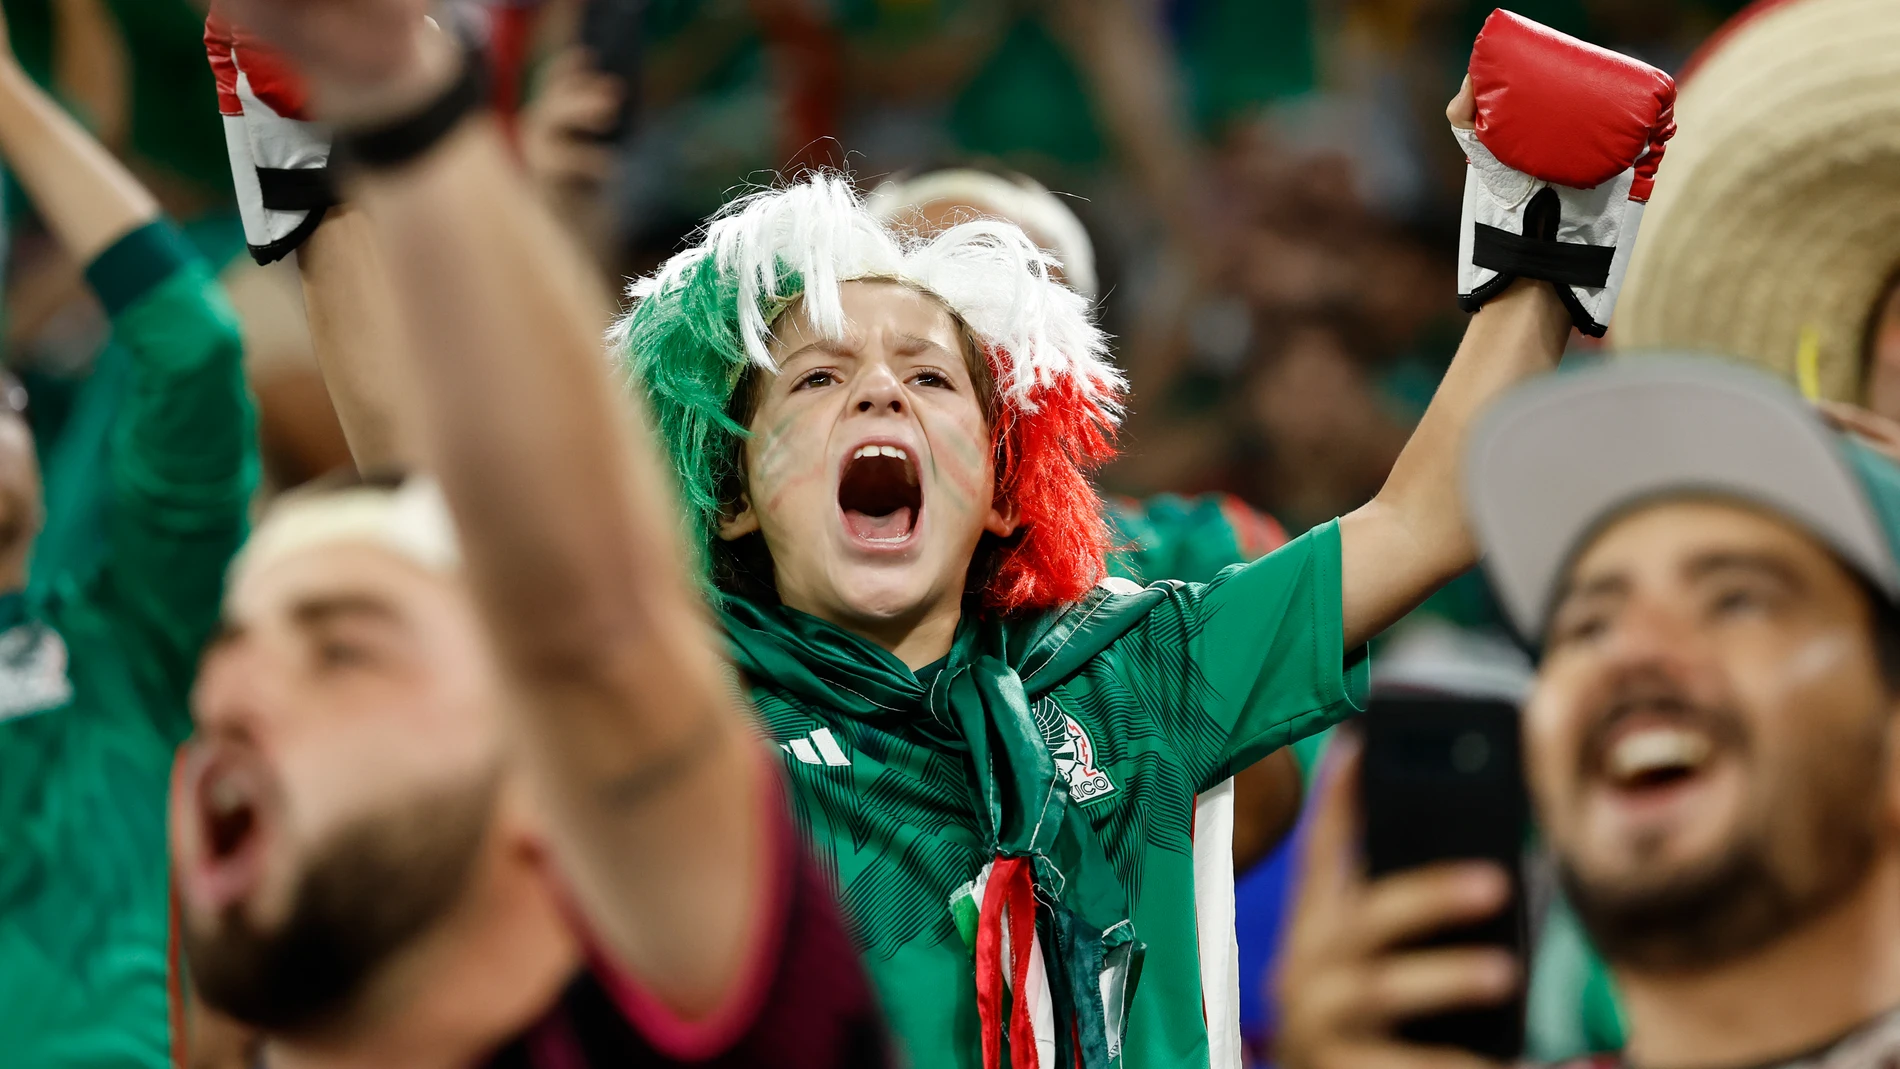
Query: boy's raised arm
x=1412, y=537
x=1562, y=141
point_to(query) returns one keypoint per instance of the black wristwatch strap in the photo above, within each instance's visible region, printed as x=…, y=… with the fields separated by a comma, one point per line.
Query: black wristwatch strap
x=394, y=144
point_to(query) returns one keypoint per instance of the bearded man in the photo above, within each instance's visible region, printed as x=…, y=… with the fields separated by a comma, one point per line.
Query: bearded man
x=1711, y=578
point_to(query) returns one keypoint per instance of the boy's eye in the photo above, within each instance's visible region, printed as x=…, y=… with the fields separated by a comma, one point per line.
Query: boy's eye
x=819, y=377
x=934, y=379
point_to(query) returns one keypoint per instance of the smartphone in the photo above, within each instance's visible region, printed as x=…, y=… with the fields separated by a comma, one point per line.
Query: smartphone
x=1442, y=779
x=610, y=30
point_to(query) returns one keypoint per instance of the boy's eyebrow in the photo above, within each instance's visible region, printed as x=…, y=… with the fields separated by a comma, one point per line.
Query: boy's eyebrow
x=831, y=346
x=913, y=342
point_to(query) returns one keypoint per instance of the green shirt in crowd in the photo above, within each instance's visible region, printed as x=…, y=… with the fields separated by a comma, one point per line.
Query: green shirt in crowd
x=94, y=674
x=1192, y=539
x=1209, y=679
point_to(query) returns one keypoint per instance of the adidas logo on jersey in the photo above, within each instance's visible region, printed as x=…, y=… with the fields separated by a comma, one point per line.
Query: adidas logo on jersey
x=818, y=748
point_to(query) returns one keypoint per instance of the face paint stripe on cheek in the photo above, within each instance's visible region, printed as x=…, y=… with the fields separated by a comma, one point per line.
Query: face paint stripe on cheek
x=776, y=449
x=971, y=474
x=789, y=456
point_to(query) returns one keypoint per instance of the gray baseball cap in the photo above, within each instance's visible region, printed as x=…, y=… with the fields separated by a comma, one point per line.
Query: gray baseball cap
x=1557, y=459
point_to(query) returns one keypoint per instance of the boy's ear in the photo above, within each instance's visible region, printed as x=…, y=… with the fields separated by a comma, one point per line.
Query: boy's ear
x=1003, y=518
x=739, y=520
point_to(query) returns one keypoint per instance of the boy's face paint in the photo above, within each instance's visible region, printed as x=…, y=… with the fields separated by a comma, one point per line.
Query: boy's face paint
x=869, y=470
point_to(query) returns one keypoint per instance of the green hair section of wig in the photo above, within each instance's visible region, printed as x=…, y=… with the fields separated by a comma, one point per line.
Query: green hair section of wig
x=682, y=350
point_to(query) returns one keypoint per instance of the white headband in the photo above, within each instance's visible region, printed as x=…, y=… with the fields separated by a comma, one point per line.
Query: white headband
x=411, y=521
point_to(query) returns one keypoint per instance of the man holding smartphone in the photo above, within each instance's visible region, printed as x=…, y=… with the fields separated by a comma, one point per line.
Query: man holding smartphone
x=1710, y=576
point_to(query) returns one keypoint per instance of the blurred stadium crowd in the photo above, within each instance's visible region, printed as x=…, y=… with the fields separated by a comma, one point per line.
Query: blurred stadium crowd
x=1269, y=199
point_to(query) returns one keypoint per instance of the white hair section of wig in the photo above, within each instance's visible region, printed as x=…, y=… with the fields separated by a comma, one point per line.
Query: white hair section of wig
x=998, y=280
x=987, y=271
x=1020, y=200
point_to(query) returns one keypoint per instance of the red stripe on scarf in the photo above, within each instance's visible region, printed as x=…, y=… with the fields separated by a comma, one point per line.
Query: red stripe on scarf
x=1010, y=890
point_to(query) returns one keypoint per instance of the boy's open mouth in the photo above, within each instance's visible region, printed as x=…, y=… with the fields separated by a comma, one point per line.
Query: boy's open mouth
x=879, y=494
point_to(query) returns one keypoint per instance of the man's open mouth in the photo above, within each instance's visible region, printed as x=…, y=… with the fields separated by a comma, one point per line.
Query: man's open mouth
x=879, y=494
x=1657, y=755
x=222, y=798
x=230, y=814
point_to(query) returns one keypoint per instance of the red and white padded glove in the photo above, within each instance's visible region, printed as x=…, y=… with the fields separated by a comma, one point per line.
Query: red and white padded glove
x=280, y=160
x=1560, y=166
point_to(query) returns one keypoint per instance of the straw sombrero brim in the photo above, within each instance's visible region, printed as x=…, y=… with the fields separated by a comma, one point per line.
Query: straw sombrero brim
x=1777, y=205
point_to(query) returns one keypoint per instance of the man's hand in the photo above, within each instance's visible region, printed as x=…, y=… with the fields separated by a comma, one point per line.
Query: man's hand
x=561, y=129
x=564, y=145
x=1345, y=981
x=1266, y=806
x=86, y=196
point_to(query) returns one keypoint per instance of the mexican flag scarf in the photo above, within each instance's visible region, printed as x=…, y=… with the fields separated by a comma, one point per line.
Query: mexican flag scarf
x=1057, y=957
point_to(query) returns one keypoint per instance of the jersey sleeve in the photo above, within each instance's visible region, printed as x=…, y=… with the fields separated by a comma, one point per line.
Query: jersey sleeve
x=805, y=999
x=181, y=462
x=1239, y=667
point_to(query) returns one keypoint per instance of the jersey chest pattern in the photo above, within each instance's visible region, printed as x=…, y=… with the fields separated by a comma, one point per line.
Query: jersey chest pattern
x=890, y=815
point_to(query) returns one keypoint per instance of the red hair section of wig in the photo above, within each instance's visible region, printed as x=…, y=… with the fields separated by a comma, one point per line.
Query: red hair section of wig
x=1044, y=460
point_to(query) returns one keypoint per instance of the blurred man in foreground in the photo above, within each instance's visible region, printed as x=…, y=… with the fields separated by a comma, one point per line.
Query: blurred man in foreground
x=1712, y=578
x=361, y=859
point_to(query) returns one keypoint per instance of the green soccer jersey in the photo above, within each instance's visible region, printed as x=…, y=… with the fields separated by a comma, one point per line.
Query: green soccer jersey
x=94, y=676
x=1211, y=678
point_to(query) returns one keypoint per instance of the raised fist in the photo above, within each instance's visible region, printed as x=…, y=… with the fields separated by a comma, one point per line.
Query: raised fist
x=1563, y=139
x=357, y=45
x=280, y=158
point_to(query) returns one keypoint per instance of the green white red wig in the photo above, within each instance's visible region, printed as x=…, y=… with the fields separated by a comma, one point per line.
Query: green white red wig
x=706, y=316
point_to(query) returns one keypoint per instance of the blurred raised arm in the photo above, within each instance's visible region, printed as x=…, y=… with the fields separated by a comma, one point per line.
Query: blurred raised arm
x=180, y=469
x=1412, y=536
x=569, y=529
x=87, y=198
